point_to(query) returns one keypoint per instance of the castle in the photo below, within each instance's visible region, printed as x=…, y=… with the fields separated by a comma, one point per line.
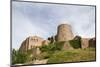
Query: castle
x=64, y=33
x=31, y=42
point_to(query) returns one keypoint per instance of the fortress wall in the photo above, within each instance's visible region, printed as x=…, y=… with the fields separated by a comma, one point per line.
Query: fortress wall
x=64, y=33
x=35, y=41
x=85, y=42
x=31, y=42
x=23, y=46
x=92, y=42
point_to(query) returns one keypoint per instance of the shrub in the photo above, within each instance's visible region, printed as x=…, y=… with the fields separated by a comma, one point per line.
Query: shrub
x=59, y=45
x=20, y=57
x=75, y=43
x=52, y=47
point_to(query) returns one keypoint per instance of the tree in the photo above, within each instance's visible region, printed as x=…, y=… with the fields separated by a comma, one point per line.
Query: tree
x=19, y=57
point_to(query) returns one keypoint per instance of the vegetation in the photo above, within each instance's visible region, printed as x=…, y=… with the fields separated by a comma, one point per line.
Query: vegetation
x=48, y=50
x=19, y=57
x=52, y=47
x=75, y=43
x=75, y=55
x=54, y=53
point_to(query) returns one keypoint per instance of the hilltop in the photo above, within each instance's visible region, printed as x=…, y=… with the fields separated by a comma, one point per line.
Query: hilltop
x=60, y=48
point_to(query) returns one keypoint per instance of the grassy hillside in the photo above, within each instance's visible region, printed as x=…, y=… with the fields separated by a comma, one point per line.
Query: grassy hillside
x=75, y=55
x=54, y=53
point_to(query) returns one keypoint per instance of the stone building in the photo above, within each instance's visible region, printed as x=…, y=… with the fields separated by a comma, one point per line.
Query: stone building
x=88, y=42
x=31, y=42
x=92, y=42
x=45, y=42
x=67, y=46
x=85, y=42
x=64, y=33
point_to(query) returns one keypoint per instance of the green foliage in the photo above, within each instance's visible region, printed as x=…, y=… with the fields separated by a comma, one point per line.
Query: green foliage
x=75, y=43
x=61, y=56
x=75, y=55
x=90, y=49
x=59, y=45
x=19, y=57
x=52, y=47
x=44, y=55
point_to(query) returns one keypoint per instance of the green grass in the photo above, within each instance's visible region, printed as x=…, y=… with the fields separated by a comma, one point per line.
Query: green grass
x=75, y=55
x=54, y=53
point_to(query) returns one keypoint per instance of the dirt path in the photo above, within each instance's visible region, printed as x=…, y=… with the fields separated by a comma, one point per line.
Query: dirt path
x=40, y=61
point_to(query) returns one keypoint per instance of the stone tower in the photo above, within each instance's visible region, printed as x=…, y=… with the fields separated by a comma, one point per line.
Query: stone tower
x=64, y=33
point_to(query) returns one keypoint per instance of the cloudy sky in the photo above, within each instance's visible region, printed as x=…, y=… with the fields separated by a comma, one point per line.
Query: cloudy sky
x=29, y=19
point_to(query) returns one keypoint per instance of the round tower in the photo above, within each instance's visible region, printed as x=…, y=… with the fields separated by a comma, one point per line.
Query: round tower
x=64, y=33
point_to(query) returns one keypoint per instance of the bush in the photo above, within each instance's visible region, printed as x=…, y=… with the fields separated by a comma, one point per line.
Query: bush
x=18, y=57
x=21, y=57
x=59, y=45
x=75, y=43
x=52, y=47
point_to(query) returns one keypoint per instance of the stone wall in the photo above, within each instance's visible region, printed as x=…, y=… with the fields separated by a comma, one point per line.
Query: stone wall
x=35, y=41
x=84, y=42
x=88, y=42
x=24, y=45
x=92, y=42
x=67, y=46
x=45, y=42
x=64, y=33
x=31, y=42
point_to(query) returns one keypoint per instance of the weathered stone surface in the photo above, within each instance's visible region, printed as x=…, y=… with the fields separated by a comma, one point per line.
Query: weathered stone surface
x=64, y=33
x=31, y=42
x=45, y=42
x=38, y=51
x=92, y=42
x=85, y=42
x=67, y=46
x=24, y=45
x=35, y=41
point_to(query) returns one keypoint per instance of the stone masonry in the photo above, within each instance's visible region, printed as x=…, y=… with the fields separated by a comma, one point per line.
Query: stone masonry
x=31, y=42
x=64, y=33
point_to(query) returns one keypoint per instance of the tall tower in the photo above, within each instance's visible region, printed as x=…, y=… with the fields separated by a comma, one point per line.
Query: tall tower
x=64, y=33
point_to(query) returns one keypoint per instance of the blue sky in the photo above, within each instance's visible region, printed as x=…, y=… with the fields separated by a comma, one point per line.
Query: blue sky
x=29, y=19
